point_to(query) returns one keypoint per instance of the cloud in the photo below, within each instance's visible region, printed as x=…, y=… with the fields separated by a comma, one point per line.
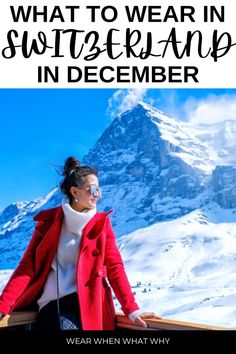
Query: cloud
x=196, y=109
x=123, y=100
x=211, y=110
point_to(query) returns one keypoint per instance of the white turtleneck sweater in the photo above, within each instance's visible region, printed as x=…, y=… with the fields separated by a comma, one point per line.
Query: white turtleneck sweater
x=68, y=252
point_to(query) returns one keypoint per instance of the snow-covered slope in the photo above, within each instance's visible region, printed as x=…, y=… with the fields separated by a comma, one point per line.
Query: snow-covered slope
x=194, y=250
x=186, y=267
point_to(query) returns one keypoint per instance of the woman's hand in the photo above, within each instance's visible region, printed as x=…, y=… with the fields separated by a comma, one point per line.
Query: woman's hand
x=146, y=315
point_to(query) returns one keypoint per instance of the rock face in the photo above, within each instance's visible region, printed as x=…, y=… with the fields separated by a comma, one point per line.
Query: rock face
x=140, y=172
x=224, y=186
x=151, y=168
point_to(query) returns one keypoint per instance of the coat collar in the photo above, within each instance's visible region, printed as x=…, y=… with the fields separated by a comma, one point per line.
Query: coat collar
x=49, y=214
x=55, y=217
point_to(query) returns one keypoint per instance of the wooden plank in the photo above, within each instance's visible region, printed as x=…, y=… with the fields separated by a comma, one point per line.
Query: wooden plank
x=18, y=318
x=164, y=324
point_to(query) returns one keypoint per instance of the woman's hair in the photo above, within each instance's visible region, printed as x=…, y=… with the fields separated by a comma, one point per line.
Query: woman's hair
x=74, y=175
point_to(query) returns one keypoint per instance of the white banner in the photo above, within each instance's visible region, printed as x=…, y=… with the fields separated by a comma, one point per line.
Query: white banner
x=129, y=43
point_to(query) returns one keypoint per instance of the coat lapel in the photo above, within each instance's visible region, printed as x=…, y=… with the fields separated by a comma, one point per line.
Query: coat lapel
x=47, y=247
x=93, y=228
x=85, y=234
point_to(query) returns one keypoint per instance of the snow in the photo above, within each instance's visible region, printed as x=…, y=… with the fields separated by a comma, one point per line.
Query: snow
x=4, y=276
x=187, y=267
x=163, y=181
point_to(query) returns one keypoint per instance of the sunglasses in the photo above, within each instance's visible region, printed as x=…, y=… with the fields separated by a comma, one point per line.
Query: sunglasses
x=94, y=190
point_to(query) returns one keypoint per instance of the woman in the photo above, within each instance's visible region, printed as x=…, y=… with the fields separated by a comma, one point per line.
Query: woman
x=72, y=251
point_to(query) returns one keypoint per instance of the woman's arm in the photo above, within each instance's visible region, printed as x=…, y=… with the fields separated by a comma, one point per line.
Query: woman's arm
x=20, y=277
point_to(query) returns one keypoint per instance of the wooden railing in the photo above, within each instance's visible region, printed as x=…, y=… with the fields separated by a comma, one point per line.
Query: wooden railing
x=18, y=318
x=27, y=317
x=163, y=324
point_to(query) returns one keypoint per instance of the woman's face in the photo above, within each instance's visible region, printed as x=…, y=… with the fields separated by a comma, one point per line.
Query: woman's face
x=85, y=199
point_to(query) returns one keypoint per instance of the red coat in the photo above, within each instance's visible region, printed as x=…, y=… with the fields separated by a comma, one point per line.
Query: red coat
x=99, y=257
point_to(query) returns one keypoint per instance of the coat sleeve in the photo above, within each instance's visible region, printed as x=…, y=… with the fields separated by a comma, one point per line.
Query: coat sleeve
x=21, y=276
x=116, y=273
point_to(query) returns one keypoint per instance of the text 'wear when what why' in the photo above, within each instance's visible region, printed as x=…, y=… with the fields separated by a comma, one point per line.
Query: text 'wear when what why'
x=113, y=341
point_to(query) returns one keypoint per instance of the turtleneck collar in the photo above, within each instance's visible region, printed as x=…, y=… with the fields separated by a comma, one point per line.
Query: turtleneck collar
x=75, y=221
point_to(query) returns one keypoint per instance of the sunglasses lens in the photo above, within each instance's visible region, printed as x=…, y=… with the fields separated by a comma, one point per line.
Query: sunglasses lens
x=100, y=192
x=96, y=192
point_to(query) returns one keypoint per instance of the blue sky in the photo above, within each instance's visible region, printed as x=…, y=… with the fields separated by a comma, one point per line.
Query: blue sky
x=39, y=128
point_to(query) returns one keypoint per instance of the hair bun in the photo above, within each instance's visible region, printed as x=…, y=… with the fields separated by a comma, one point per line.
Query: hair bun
x=71, y=165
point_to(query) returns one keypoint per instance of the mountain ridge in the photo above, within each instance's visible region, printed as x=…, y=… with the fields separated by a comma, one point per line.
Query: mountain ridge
x=149, y=170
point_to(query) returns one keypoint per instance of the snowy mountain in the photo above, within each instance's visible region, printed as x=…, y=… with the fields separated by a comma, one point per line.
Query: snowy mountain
x=152, y=168
x=138, y=154
x=161, y=168
x=172, y=187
